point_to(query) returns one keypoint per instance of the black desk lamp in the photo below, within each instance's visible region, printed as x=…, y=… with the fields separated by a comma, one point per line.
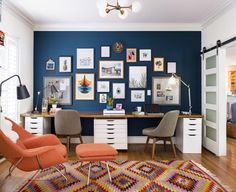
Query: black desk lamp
x=22, y=92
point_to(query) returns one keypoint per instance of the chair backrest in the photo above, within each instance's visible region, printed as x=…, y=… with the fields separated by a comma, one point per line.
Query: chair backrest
x=67, y=122
x=166, y=127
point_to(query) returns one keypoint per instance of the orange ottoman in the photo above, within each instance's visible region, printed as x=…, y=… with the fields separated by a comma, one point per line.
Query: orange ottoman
x=95, y=152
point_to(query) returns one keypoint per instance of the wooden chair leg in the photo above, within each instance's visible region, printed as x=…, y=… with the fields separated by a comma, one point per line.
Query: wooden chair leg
x=147, y=141
x=153, y=147
x=81, y=139
x=68, y=144
x=164, y=144
x=173, y=146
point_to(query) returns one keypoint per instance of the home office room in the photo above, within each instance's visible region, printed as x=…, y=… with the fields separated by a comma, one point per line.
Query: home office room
x=115, y=96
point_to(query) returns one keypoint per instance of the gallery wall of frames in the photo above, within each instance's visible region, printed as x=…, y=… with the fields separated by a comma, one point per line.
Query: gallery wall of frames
x=131, y=67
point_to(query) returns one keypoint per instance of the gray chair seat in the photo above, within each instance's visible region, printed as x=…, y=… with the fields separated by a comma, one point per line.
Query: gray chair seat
x=148, y=131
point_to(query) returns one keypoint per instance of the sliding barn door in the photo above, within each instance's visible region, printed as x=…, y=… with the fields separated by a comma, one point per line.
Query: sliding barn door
x=214, y=101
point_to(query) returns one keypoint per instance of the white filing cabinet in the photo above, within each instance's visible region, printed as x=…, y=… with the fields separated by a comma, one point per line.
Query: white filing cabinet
x=189, y=135
x=38, y=125
x=111, y=131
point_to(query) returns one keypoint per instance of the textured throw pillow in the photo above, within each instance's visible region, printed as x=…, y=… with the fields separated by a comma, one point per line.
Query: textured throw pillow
x=6, y=128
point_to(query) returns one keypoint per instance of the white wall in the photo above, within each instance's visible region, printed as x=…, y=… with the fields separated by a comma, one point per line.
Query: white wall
x=15, y=26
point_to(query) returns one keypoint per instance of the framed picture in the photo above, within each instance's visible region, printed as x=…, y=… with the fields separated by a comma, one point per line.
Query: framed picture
x=137, y=77
x=137, y=96
x=118, y=90
x=163, y=93
x=63, y=85
x=118, y=106
x=103, y=98
x=50, y=65
x=171, y=67
x=131, y=55
x=103, y=86
x=111, y=69
x=145, y=54
x=85, y=58
x=65, y=63
x=158, y=64
x=105, y=51
x=84, y=86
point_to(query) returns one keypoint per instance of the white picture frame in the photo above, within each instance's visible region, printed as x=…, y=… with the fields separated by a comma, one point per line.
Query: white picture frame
x=105, y=51
x=145, y=55
x=85, y=58
x=103, y=98
x=111, y=69
x=50, y=65
x=65, y=64
x=137, y=95
x=118, y=90
x=103, y=86
x=171, y=67
x=137, y=76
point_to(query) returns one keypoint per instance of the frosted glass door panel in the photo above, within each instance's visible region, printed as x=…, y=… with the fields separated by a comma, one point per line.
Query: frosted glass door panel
x=211, y=80
x=211, y=98
x=211, y=133
x=211, y=115
x=211, y=62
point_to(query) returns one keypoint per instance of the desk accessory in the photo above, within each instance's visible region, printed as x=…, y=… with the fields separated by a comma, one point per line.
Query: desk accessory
x=114, y=112
x=109, y=103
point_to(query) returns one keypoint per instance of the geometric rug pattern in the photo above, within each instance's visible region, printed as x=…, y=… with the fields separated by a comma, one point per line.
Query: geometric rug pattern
x=127, y=176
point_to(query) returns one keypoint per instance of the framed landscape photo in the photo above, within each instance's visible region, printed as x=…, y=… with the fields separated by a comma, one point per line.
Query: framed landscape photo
x=50, y=65
x=111, y=69
x=137, y=96
x=163, y=93
x=105, y=51
x=118, y=90
x=131, y=55
x=137, y=76
x=62, y=84
x=103, y=86
x=145, y=54
x=84, y=86
x=65, y=63
x=85, y=58
x=158, y=64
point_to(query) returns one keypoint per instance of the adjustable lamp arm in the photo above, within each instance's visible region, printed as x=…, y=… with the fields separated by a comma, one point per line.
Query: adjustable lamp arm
x=7, y=80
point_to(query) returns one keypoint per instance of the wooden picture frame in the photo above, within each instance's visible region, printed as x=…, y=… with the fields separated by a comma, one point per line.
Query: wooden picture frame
x=111, y=69
x=131, y=55
x=158, y=64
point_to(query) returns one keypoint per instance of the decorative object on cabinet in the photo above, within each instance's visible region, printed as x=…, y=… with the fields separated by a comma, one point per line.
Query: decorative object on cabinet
x=65, y=63
x=163, y=93
x=137, y=96
x=85, y=58
x=50, y=65
x=44, y=105
x=171, y=67
x=118, y=90
x=137, y=76
x=131, y=55
x=2, y=36
x=176, y=79
x=111, y=69
x=105, y=51
x=118, y=106
x=103, y=86
x=145, y=54
x=118, y=47
x=84, y=86
x=158, y=64
x=102, y=98
x=109, y=103
x=63, y=87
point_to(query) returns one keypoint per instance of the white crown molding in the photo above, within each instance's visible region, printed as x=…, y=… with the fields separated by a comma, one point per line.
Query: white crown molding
x=121, y=27
x=10, y=8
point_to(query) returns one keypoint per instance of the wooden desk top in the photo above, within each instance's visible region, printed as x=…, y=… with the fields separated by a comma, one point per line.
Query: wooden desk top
x=99, y=115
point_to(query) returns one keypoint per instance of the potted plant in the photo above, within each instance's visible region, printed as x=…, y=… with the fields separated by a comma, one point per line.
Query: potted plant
x=109, y=103
x=54, y=102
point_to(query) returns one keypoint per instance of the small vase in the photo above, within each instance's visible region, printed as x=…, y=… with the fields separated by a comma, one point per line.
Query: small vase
x=54, y=106
x=109, y=107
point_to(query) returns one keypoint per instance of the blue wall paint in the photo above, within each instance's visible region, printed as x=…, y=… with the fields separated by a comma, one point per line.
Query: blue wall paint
x=182, y=47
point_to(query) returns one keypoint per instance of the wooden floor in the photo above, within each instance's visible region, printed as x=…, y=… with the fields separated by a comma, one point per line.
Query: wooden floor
x=223, y=167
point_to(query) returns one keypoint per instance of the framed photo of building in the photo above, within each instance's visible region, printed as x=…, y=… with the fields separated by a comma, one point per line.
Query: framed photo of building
x=163, y=93
x=137, y=96
x=137, y=76
x=111, y=69
x=118, y=91
x=131, y=55
x=85, y=58
x=158, y=64
x=84, y=86
x=65, y=63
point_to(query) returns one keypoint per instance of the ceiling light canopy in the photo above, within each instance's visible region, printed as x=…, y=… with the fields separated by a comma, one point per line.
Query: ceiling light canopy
x=122, y=6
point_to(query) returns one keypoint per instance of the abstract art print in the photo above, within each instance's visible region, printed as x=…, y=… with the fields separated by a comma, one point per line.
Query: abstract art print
x=131, y=55
x=145, y=54
x=84, y=86
x=118, y=90
x=111, y=69
x=65, y=64
x=85, y=58
x=137, y=96
x=103, y=86
x=158, y=64
x=137, y=77
x=164, y=93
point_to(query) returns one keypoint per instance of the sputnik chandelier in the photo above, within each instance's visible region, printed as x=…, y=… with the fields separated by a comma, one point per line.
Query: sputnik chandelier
x=122, y=6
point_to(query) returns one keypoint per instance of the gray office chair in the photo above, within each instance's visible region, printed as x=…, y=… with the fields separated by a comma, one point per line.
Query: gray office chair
x=164, y=131
x=67, y=124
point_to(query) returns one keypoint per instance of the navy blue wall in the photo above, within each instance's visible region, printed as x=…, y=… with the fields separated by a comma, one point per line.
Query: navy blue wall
x=181, y=47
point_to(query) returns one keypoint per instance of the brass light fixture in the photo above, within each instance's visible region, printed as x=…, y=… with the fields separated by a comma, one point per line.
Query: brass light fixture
x=105, y=8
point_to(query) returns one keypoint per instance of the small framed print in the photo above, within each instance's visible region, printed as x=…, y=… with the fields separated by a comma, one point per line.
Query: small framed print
x=158, y=64
x=137, y=96
x=131, y=55
x=171, y=67
x=102, y=98
x=105, y=51
x=118, y=106
x=145, y=54
x=50, y=65
x=65, y=63
x=103, y=86
x=118, y=90
x=85, y=58
x=111, y=69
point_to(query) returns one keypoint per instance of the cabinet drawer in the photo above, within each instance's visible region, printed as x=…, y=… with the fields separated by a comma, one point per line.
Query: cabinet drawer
x=110, y=122
x=192, y=121
x=193, y=130
x=34, y=125
x=34, y=130
x=111, y=135
x=110, y=126
x=34, y=120
x=192, y=143
x=110, y=140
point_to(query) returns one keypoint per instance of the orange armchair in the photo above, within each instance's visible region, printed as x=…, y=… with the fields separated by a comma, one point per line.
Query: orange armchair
x=31, y=152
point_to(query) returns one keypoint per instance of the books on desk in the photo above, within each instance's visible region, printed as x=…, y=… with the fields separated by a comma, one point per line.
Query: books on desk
x=114, y=112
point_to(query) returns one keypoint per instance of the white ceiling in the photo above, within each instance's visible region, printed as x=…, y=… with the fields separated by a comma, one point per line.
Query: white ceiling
x=71, y=12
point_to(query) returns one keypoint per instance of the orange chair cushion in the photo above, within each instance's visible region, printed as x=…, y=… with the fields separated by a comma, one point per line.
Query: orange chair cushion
x=95, y=152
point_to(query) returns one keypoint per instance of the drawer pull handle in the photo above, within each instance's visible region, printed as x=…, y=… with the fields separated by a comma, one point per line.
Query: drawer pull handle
x=110, y=133
x=33, y=123
x=192, y=135
x=111, y=120
x=192, y=119
x=192, y=124
x=33, y=128
x=110, y=138
x=110, y=143
x=110, y=124
x=192, y=129
x=33, y=117
x=110, y=128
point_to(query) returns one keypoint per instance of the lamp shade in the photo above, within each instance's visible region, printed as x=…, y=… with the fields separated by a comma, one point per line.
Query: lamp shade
x=22, y=92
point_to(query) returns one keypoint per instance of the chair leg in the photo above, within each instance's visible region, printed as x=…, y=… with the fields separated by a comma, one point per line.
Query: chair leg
x=147, y=141
x=89, y=173
x=153, y=147
x=81, y=139
x=60, y=173
x=64, y=167
x=108, y=170
x=13, y=166
x=164, y=144
x=68, y=144
x=173, y=146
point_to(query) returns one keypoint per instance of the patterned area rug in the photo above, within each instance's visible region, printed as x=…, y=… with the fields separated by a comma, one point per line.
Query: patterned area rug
x=127, y=176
